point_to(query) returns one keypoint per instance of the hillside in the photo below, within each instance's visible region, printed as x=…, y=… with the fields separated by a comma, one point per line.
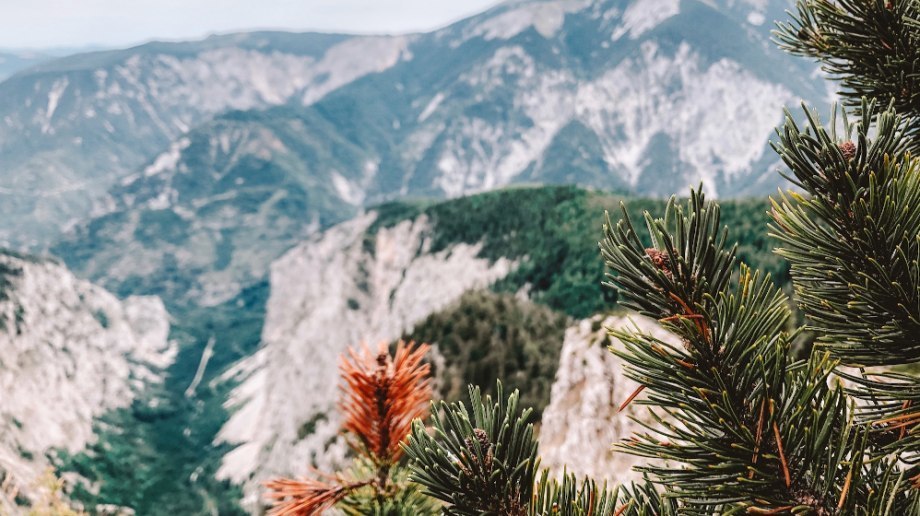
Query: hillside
x=71, y=353
x=12, y=61
x=518, y=268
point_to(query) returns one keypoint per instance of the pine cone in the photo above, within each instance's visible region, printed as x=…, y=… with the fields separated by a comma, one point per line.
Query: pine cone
x=848, y=148
x=485, y=445
x=660, y=259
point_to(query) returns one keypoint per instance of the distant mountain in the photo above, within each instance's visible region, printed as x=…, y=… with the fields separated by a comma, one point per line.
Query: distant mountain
x=13, y=61
x=645, y=98
x=72, y=128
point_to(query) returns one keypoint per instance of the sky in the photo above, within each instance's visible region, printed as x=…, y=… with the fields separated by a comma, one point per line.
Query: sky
x=39, y=24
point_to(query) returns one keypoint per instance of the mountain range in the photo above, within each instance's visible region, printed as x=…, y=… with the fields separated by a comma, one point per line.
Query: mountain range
x=645, y=98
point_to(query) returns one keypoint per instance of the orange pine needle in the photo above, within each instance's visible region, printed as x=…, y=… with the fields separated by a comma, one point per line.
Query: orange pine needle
x=660, y=350
x=686, y=364
x=782, y=455
x=846, y=488
x=630, y=398
x=681, y=302
x=914, y=416
x=915, y=481
x=676, y=317
x=305, y=497
x=698, y=318
x=382, y=395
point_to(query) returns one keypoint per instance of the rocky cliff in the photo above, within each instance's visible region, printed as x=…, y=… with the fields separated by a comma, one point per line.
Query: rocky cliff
x=69, y=351
x=351, y=285
x=582, y=421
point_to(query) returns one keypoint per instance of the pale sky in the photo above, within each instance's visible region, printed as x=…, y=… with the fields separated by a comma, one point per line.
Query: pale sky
x=77, y=23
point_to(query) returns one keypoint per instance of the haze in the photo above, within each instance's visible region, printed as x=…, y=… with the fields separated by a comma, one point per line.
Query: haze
x=40, y=24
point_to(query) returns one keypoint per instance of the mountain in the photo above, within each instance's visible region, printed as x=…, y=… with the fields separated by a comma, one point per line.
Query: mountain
x=207, y=217
x=645, y=98
x=72, y=128
x=12, y=61
x=505, y=284
x=71, y=353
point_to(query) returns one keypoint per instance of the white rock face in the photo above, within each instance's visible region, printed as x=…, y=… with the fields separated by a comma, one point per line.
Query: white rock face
x=327, y=294
x=581, y=422
x=639, y=17
x=69, y=351
x=656, y=94
x=646, y=106
x=352, y=59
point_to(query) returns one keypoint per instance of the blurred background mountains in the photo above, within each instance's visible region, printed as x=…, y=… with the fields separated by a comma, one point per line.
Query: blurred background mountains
x=273, y=197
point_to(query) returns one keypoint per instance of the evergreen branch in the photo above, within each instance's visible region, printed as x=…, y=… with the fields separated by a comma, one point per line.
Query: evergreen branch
x=484, y=464
x=675, y=274
x=871, y=46
x=293, y=497
x=736, y=425
x=488, y=465
x=398, y=497
x=381, y=397
x=571, y=498
x=854, y=242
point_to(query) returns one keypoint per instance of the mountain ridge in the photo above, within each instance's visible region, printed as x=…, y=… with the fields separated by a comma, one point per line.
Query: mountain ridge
x=69, y=133
x=474, y=106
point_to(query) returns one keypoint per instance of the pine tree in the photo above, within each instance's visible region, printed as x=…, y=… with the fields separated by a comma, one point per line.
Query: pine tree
x=741, y=426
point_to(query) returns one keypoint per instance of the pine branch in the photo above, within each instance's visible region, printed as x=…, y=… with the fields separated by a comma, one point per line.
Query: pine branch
x=484, y=464
x=854, y=247
x=487, y=465
x=871, y=46
x=571, y=498
x=737, y=425
x=297, y=497
x=381, y=396
x=853, y=242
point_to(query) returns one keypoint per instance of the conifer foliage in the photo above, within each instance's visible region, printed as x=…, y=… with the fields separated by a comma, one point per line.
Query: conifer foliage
x=871, y=46
x=485, y=463
x=739, y=425
x=382, y=394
